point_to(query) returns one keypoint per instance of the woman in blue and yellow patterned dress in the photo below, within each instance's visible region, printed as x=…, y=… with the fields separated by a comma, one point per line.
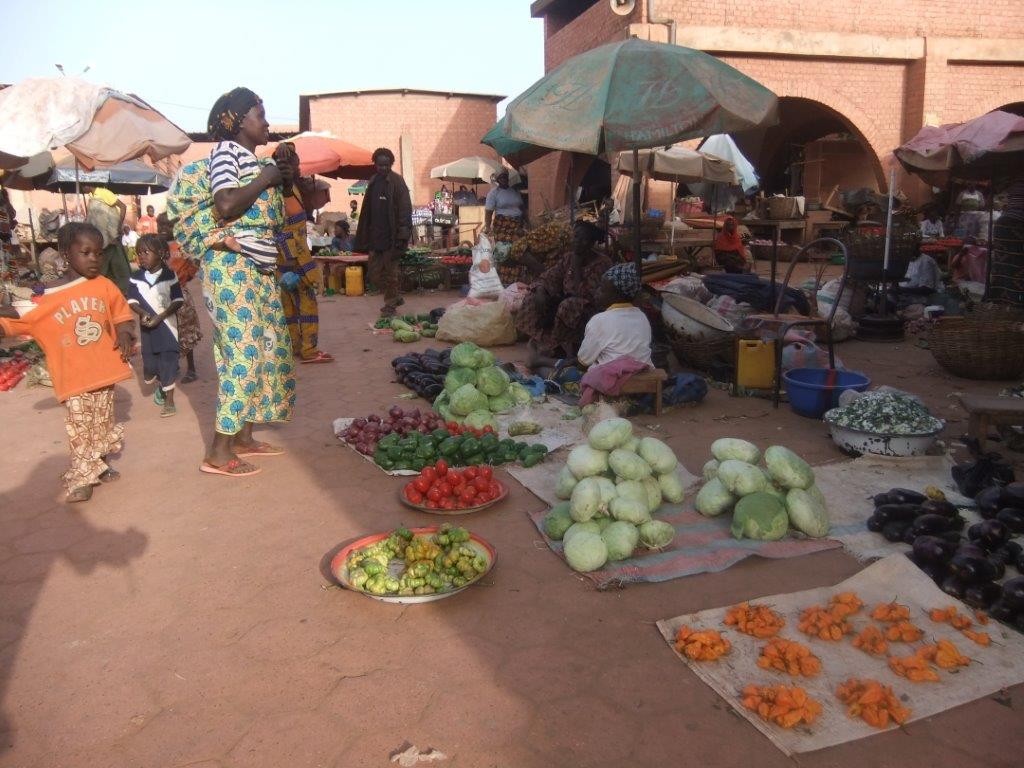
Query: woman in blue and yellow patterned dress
x=227, y=211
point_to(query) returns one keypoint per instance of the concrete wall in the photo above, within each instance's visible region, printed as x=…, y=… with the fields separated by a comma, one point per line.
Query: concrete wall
x=437, y=128
x=886, y=69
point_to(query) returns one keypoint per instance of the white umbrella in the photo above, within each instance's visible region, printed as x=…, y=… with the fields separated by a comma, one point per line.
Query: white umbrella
x=97, y=124
x=473, y=169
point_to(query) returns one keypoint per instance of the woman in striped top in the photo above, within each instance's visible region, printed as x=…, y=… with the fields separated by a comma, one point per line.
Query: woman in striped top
x=251, y=345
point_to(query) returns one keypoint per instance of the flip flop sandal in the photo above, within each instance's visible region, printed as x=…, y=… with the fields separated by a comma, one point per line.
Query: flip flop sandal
x=189, y=377
x=78, y=495
x=233, y=468
x=319, y=357
x=168, y=410
x=158, y=396
x=260, y=449
x=109, y=476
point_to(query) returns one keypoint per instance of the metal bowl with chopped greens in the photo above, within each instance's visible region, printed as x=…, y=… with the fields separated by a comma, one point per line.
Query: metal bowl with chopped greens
x=885, y=413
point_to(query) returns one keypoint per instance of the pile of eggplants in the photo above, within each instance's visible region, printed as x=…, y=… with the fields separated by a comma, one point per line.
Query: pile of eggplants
x=423, y=372
x=967, y=569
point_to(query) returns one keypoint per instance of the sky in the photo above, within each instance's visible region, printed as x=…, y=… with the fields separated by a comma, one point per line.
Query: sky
x=172, y=55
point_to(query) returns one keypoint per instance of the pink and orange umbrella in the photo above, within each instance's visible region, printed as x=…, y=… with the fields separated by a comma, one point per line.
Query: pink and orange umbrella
x=324, y=154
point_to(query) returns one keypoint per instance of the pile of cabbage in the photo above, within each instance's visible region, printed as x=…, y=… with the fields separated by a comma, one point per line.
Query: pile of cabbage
x=475, y=389
x=611, y=485
x=764, y=500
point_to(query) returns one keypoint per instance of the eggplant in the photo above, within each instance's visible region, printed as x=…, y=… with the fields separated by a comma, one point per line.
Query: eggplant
x=1012, y=518
x=1013, y=547
x=989, y=501
x=969, y=549
x=1000, y=611
x=929, y=524
x=434, y=353
x=953, y=537
x=972, y=570
x=1013, y=495
x=935, y=571
x=875, y=524
x=1018, y=622
x=956, y=523
x=999, y=566
x=1002, y=554
x=981, y=596
x=993, y=535
x=1013, y=593
x=974, y=532
x=894, y=531
x=932, y=549
x=909, y=535
x=881, y=499
x=953, y=587
x=1019, y=565
x=892, y=513
x=907, y=496
x=933, y=507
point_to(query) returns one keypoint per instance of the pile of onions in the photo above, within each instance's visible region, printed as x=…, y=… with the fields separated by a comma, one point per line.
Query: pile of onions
x=364, y=433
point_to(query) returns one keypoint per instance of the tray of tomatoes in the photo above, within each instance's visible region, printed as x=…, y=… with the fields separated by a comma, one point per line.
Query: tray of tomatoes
x=443, y=490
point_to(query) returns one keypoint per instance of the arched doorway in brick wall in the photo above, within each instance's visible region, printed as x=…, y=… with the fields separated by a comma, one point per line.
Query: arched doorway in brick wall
x=813, y=149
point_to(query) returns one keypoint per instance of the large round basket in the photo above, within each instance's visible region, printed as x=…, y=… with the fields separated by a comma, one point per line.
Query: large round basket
x=703, y=354
x=977, y=348
x=991, y=310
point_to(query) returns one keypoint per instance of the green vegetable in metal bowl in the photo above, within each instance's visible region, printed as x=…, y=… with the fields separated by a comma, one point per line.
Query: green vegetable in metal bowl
x=885, y=413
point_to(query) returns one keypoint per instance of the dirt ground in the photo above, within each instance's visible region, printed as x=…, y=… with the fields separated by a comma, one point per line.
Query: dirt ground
x=181, y=619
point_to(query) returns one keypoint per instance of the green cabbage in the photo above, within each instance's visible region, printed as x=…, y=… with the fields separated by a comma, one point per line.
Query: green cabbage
x=608, y=492
x=576, y=529
x=585, y=499
x=620, y=539
x=733, y=448
x=671, y=487
x=467, y=399
x=466, y=355
x=442, y=407
x=586, y=552
x=584, y=461
x=564, y=484
x=610, y=433
x=628, y=466
x=484, y=358
x=602, y=523
x=787, y=469
x=807, y=511
x=658, y=455
x=630, y=510
x=520, y=393
x=502, y=403
x=481, y=419
x=632, y=489
x=653, y=488
x=492, y=381
x=740, y=478
x=557, y=521
x=656, y=534
x=759, y=516
x=456, y=377
x=710, y=471
x=713, y=499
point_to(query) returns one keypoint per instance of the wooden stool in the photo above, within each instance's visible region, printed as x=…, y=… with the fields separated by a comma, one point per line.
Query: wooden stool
x=987, y=411
x=646, y=383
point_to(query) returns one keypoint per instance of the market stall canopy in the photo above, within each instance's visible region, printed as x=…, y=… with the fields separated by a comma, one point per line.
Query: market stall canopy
x=98, y=125
x=721, y=145
x=518, y=153
x=132, y=177
x=359, y=188
x=680, y=165
x=473, y=170
x=32, y=175
x=321, y=152
x=633, y=94
x=988, y=147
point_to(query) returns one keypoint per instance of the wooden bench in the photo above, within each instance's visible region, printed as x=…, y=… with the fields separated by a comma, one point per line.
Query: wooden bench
x=646, y=383
x=986, y=411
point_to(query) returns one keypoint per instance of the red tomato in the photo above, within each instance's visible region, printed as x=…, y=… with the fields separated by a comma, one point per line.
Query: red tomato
x=433, y=505
x=455, y=478
x=429, y=473
x=434, y=494
x=488, y=428
x=413, y=495
x=441, y=467
x=494, y=488
x=481, y=484
x=468, y=493
x=448, y=503
x=486, y=472
x=445, y=489
x=421, y=484
x=470, y=473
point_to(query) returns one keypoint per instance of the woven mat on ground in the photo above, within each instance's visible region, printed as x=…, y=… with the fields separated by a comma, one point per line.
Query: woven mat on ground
x=849, y=485
x=701, y=545
x=998, y=666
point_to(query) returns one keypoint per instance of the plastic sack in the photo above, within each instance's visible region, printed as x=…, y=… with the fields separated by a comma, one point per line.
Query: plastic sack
x=826, y=297
x=843, y=325
x=513, y=296
x=981, y=471
x=806, y=354
x=484, y=323
x=484, y=282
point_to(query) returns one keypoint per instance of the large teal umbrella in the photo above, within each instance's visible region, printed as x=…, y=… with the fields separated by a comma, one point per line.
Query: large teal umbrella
x=631, y=95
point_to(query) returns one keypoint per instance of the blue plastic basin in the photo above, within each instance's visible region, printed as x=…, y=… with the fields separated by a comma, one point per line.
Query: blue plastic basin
x=809, y=393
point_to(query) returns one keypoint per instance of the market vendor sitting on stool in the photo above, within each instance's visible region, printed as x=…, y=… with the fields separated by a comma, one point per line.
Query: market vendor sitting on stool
x=730, y=253
x=558, y=306
x=342, y=240
x=504, y=211
x=921, y=283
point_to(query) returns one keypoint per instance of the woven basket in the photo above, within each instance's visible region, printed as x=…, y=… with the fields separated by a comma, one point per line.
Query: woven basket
x=978, y=348
x=990, y=310
x=703, y=354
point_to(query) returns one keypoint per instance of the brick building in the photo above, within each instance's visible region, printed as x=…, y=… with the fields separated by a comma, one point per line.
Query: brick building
x=423, y=128
x=855, y=78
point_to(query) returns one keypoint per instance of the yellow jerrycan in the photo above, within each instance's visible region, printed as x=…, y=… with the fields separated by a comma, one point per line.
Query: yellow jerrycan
x=354, y=281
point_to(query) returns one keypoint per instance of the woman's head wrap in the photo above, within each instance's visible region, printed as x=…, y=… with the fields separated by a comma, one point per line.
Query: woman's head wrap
x=229, y=111
x=625, y=279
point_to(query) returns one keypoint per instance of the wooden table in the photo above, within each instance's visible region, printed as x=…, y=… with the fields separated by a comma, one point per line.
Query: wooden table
x=778, y=226
x=986, y=411
x=326, y=262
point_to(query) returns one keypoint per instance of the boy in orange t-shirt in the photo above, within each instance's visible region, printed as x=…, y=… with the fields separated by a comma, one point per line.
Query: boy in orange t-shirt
x=86, y=330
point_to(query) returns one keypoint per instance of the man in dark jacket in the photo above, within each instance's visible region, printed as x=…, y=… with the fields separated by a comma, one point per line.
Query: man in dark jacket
x=385, y=224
